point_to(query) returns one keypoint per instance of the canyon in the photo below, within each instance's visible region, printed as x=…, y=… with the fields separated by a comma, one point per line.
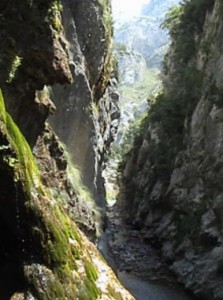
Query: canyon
x=59, y=114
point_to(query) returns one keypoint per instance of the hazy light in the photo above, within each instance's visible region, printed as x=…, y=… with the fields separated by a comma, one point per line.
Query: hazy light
x=127, y=8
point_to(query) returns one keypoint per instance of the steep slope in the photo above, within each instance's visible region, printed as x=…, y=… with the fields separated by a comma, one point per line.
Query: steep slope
x=43, y=254
x=171, y=183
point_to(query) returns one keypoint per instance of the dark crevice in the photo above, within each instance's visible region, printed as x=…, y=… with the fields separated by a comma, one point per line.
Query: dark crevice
x=12, y=247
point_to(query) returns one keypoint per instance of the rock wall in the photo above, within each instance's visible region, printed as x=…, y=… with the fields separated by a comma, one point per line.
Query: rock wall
x=30, y=42
x=85, y=119
x=171, y=185
x=45, y=68
x=63, y=66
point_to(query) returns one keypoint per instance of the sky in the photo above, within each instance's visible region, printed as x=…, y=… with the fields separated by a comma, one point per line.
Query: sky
x=127, y=8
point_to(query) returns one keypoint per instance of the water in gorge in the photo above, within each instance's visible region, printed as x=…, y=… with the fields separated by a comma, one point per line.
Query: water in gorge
x=148, y=290
x=135, y=262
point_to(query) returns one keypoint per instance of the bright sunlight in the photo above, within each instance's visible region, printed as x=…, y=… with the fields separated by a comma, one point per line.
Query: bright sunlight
x=127, y=8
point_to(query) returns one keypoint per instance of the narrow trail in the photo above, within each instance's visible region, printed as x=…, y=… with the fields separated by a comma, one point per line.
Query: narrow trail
x=137, y=264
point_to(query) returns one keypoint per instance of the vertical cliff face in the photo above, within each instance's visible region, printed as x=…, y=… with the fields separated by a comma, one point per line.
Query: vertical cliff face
x=72, y=41
x=70, y=45
x=45, y=67
x=171, y=183
x=87, y=108
x=29, y=42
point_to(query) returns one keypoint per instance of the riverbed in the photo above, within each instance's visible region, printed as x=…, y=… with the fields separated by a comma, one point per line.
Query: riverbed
x=148, y=290
x=137, y=265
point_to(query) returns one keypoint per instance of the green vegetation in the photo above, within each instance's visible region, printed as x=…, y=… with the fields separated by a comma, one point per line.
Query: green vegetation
x=89, y=286
x=95, y=110
x=74, y=176
x=171, y=112
x=108, y=65
x=122, y=49
x=134, y=133
x=3, y=115
x=107, y=16
x=32, y=21
x=53, y=16
x=142, y=88
x=60, y=242
x=184, y=22
x=16, y=62
x=86, y=214
x=172, y=19
x=26, y=166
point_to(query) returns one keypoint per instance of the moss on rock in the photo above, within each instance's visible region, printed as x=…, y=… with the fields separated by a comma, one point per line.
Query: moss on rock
x=58, y=264
x=62, y=250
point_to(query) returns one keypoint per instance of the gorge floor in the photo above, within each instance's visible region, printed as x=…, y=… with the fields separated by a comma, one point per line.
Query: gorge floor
x=136, y=263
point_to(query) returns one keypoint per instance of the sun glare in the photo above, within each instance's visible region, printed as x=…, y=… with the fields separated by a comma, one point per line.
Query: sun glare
x=127, y=8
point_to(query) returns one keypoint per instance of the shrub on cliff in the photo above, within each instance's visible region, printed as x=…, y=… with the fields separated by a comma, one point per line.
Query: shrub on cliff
x=184, y=22
x=172, y=109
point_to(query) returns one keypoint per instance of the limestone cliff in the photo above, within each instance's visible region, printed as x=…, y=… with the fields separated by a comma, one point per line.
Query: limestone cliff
x=48, y=63
x=58, y=60
x=172, y=180
x=87, y=109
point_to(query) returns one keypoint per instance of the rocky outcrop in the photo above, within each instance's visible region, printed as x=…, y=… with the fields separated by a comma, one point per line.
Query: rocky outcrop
x=82, y=97
x=43, y=254
x=46, y=68
x=66, y=46
x=171, y=182
x=30, y=42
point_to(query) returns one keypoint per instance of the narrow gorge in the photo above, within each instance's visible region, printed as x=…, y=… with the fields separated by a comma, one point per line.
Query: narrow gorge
x=67, y=82
x=170, y=187
x=58, y=110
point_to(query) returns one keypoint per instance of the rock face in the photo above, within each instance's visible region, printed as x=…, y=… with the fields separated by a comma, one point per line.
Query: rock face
x=87, y=109
x=171, y=183
x=48, y=63
x=66, y=46
x=47, y=50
